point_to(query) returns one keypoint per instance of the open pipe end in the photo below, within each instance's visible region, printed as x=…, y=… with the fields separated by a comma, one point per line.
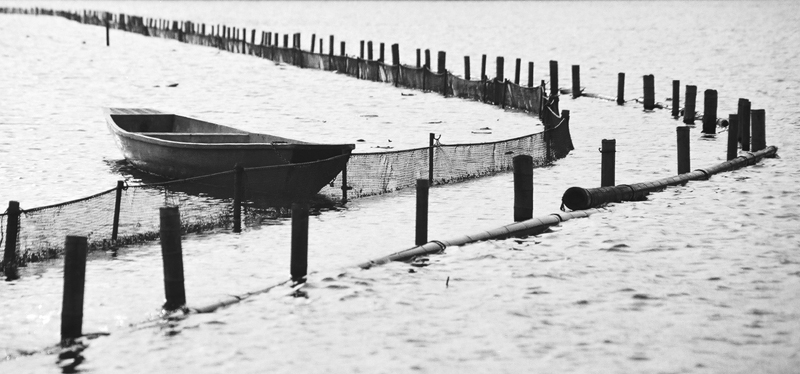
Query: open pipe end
x=577, y=198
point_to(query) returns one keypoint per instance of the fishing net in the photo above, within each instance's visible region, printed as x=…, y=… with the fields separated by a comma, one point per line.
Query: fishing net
x=207, y=202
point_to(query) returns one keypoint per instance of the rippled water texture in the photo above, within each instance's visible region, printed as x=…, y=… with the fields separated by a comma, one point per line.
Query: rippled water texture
x=699, y=278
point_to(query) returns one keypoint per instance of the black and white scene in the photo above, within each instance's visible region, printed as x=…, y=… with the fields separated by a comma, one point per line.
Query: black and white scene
x=219, y=186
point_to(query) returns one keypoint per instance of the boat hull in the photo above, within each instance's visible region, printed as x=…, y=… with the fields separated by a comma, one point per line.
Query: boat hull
x=282, y=169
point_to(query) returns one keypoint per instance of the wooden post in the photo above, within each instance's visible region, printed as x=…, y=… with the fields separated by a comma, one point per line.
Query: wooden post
x=238, y=195
x=396, y=54
x=252, y=40
x=733, y=136
x=710, y=112
x=530, y=74
x=517, y=71
x=689, y=107
x=441, y=62
x=419, y=58
x=500, y=66
x=554, y=78
x=608, y=156
x=758, y=121
x=286, y=41
x=483, y=76
x=345, y=187
x=75, y=250
x=172, y=257
x=523, y=187
x=743, y=115
x=621, y=89
x=361, y=55
x=313, y=42
x=321, y=48
x=649, y=92
x=684, y=164
x=12, y=232
x=431, y=139
x=108, y=36
x=676, y=98
x=330, y=46
x=500, y=90
x=428, y=59
x=466, y=68
x=299, y=258
x=421, y=236
x=117, y=204
x=576, y=81
x=381, y=56
x=342, y=49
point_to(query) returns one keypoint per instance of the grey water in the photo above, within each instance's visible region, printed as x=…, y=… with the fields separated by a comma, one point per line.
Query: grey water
x=699, y=278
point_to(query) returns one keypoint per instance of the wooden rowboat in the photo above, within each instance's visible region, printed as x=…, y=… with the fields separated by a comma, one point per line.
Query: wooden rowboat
x=178, y=147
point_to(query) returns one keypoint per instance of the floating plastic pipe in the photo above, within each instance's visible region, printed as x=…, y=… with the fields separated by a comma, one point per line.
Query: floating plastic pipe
x=518, y=229
x=578, y=198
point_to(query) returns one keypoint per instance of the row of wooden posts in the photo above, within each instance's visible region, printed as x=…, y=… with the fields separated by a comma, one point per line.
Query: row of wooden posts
x=76, y=248
x=14, y=211
x=757, y=118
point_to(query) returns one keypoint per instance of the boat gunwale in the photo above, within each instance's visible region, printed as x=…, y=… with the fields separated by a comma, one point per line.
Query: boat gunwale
x=120, y=132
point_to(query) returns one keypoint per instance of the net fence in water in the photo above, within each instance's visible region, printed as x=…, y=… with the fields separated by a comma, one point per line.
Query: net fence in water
x=206, y=203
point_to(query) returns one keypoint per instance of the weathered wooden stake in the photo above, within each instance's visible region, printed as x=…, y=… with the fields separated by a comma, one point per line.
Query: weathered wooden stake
x=689, y=107
x=676, y=98
x=117, y=204
x=238, y=195
x=733, y=136
x=743, y=115
x=523, y=187
x=299, y=258
x=684, y=163
x=441, y=62
x=483, y=67
x=321, y=48
x=345, y=187
x=313, y=42
x=12, y=227
x=330, y=46
x=576, y=81
x=554, y=78
x=500, y=67
x=419, y=58
x=621, y=89
x=530, y=74
x=108, y=36
x=431, y=150
x=758, y=122
x=608, y=160
x=428, y=59
x=342, y=49
x=286, y=41
x=649, y=92
x=421, y=235
x=517, y=68
x=75, y=250
x=710, y=112
x=172, y=256
x=361, y=54
x=381, y=56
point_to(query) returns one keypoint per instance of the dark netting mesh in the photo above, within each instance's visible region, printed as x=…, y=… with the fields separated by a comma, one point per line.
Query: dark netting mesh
x=206, y=202
x=411, y=77
x=383, y=172
x=467, y=89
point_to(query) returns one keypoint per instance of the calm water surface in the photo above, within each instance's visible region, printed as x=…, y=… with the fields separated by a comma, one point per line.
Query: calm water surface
x=700, y=278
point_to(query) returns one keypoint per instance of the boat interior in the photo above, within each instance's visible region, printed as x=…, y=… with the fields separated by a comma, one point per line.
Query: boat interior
x=189, y=130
